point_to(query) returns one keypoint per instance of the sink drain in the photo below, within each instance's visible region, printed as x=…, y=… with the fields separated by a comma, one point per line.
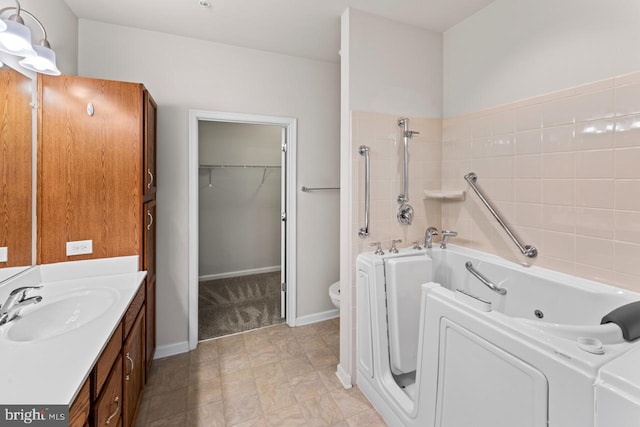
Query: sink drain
x=539, y=314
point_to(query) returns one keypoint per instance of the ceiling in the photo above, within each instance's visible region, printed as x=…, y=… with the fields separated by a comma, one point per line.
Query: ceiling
x=306, y=28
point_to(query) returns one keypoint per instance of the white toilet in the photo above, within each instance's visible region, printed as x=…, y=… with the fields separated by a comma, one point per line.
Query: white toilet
x=334, y=294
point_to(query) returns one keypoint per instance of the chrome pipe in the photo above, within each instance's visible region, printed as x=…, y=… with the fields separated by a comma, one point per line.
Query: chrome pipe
x=488, y=283
x=527, y=250
x=363, y=150
x=307, y=189
x=404, y=124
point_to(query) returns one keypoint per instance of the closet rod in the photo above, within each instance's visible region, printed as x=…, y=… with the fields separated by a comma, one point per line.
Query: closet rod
x=307, y=189
x=238, y=166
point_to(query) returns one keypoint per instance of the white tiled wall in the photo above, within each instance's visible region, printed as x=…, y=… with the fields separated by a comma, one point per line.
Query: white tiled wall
x=564, y=169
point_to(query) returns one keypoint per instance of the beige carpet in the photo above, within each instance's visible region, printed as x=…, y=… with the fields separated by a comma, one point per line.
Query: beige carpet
x=237, y=304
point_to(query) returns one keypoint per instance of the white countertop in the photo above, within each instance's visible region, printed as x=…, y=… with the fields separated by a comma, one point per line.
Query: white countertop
x=51, y=370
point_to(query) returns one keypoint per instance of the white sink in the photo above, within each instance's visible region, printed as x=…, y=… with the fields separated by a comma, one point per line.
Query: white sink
x=67, y=312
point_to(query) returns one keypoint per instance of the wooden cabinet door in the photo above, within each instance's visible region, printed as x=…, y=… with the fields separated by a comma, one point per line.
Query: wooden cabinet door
x=15, y=167
x=108, y=408
x=133, y=370
x=150, y=120
x=149, y=248
x=150, y=320
x=80, y=408
x=89, y=167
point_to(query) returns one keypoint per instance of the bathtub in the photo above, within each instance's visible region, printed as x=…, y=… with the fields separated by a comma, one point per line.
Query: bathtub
x=436, y=347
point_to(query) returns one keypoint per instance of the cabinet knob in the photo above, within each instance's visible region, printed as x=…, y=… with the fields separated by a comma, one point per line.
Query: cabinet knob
x=150, y=178
x=150, y=220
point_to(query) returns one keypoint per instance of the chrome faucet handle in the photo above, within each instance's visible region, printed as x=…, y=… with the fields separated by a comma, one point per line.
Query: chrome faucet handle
x=445, y=237
x=428, y=237
x=7, y=315
x=378, y=249
x=416, y=245
x=18, y=295
x=393, y=249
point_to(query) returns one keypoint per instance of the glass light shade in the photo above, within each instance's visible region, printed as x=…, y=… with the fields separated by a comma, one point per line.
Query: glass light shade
x=16, y=39
x=44, y=62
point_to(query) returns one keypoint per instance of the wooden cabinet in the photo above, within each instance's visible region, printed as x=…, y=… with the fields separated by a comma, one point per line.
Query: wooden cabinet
x=117, y=380
x=90, y=144
x=150, y=120
x=149, y=232
x=134, y=369
x=97, y=180
x=150, y=322
x=15, y=167
x=80, y=408
x=107, y=409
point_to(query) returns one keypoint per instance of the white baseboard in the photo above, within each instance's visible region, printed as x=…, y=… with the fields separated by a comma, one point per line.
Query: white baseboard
x=317, y=317
x=343, y=377
x=239, y=273
x=171, y=349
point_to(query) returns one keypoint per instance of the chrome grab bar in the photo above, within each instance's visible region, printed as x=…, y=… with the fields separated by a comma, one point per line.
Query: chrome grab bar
x=307, y=189
x=527, y=250
x=488, y=283
x=364, y=231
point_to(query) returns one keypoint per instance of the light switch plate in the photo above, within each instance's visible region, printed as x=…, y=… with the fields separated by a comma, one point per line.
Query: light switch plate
x=4, y=254
x=79, y=247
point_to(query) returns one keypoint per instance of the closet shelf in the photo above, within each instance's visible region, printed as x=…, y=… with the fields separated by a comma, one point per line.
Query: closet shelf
x=445, y=195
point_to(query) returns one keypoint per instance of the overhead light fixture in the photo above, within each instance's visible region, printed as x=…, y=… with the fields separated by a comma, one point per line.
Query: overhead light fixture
x=16, y=40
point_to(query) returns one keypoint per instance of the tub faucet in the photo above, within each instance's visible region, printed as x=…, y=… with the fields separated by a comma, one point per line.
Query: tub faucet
x=393, y=249
x=378, y=245
x=428, y=237
x=15, y=302
x=445, y=237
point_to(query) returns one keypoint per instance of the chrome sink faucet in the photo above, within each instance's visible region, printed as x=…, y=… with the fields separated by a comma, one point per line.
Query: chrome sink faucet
x=428, y=237
x=15, y=302
x=445, y=237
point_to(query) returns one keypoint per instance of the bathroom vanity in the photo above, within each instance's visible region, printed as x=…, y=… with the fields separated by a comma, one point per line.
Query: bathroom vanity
x=83, y=345
x=90, y=342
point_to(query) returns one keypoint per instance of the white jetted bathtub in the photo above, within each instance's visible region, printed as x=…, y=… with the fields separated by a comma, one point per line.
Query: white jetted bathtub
x=437, y=347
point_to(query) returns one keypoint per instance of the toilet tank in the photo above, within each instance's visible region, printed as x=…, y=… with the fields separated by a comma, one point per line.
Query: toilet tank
x=404, y=277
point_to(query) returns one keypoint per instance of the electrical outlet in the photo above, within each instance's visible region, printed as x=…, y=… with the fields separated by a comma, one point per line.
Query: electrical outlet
x=79, y=247
x=4, y=254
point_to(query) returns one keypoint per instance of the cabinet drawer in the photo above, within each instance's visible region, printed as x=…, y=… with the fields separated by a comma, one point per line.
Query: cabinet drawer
x=108, y=408
x=132, y=311
x=80, y=408
x=105, y=362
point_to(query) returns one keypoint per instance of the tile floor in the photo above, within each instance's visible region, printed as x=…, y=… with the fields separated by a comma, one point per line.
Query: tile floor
x=276, y=376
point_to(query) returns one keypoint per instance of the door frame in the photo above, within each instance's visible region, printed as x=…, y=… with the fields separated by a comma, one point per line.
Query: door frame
x=290, y=125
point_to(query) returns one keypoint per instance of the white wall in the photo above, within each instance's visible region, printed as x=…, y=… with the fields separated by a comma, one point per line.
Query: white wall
x=515, y=49
x=389, y=68
x=184, y=74
x=394, y=68
x=62, y=30
x=239, y=214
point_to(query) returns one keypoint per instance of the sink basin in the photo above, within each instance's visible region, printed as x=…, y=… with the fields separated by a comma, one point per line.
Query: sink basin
x=66, y=313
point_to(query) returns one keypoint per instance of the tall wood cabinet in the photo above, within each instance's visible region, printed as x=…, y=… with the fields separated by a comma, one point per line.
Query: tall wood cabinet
x=97, y=182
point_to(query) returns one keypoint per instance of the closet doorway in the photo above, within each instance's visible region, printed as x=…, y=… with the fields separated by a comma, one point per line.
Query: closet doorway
x=242, y=223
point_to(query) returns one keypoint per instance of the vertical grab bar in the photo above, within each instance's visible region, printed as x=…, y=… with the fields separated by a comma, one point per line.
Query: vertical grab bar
x=527, y=250
x=364, y=231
